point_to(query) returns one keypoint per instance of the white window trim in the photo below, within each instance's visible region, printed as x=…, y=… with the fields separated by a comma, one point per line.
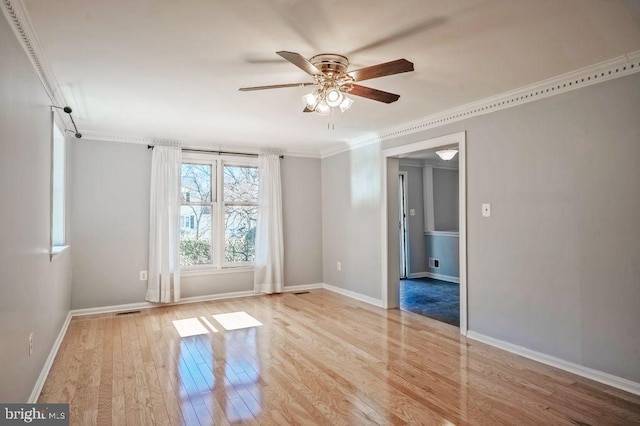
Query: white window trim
x=218, y=266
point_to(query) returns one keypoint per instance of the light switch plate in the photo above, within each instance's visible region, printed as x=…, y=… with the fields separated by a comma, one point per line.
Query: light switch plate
x=486, y=210
x=412, y=212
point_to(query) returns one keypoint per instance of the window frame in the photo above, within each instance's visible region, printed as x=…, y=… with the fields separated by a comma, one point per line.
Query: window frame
x=218, y=205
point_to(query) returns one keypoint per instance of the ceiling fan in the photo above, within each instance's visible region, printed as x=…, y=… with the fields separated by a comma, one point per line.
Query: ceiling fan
x=332, y=81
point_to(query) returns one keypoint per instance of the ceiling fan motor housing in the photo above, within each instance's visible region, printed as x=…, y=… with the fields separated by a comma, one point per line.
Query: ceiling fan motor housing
x=334, y=71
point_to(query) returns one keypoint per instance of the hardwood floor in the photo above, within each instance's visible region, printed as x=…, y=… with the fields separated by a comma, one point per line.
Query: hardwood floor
x=318, y=358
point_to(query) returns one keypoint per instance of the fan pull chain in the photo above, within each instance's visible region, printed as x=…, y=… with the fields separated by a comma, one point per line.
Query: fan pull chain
x=330, y=124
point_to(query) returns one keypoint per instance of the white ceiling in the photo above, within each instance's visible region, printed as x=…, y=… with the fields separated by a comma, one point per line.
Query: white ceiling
x=172, y=69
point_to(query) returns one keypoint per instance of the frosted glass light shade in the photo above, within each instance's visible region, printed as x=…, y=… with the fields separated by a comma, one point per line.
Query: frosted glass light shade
x=447, y=154
x=323, y=108
x=334, y=97
x=310, y=100
x=346, y=103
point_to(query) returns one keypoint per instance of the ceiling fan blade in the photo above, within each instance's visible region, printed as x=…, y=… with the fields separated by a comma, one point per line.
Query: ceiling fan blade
x=300, y=61
x=306, y=109
x=375, y=94
x=275, y=86
x=420, y=27
x=381, y=70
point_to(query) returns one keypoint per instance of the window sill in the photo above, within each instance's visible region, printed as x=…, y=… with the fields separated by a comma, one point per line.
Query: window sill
x=200, y=272
x=56, y=250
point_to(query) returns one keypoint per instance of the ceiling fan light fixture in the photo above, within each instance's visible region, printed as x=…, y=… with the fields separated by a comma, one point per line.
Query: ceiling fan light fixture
x=346, y=103
x=311, y=100
x=447, y=154
x=334, y=97
x=323, y=108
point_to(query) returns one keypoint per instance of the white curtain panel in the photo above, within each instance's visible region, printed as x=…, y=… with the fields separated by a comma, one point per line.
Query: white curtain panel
x=269, y=263
x=164, y=226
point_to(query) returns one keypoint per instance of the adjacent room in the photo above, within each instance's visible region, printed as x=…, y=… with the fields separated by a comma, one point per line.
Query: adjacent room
x=429, y=234
x=320, y=212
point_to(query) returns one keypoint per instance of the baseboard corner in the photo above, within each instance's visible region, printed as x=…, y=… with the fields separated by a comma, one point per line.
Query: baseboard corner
x=353, y=295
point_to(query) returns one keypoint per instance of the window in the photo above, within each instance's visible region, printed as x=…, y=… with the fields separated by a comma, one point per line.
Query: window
x=57, y=190
x=240, y=213
x=218, y=211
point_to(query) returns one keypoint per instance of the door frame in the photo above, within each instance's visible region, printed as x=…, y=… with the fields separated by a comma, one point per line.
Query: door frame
x=390, y=284
x=404, y=239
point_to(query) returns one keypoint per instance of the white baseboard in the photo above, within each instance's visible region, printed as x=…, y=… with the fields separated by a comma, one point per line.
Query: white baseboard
x=44, y=373
x=301, y=287
x=147, y=305
x=435, y=276
x=589, y=373
x=111, y=309
x=353, y=295
x=209, y=297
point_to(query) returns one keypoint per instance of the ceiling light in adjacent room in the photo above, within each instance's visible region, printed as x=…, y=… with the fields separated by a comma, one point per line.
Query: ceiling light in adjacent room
x=447, y=154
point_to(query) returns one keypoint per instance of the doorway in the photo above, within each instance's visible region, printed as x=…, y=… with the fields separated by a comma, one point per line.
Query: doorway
x=391, y=217
x=429, y=215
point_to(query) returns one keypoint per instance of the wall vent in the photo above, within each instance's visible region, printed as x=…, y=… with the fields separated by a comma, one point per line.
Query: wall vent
x=127, y=313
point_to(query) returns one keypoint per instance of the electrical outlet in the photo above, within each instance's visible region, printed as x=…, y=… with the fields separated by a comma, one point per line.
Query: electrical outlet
x=486, y=210
x=143, y=275
x=30, y=343
x=339, y=266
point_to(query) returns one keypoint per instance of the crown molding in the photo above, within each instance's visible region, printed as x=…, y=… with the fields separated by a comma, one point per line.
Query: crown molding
x=18, y=18
x=607, y=70
x=16, y=14
x=335, y=149
x=411, y=162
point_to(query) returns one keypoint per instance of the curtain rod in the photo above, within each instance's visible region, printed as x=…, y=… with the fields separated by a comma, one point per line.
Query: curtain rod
x=217, y=152
x=68, y=110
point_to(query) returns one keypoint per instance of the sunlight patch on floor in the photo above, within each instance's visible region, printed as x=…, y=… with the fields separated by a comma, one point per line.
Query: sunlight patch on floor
x=189, y=327
x=236, y=320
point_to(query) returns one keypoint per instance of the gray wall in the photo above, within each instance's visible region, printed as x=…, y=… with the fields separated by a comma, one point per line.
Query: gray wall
x=556, y=268
x=445, y=199
x=418, y=260
x=110, y=208
x=302, y=216
x=34, y=292
x=446, y=250
x=111, y=226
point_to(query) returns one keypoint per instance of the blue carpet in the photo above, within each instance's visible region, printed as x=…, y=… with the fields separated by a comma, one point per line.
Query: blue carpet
x=435, y=299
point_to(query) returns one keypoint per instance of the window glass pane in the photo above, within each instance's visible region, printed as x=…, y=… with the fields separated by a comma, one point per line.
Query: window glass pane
x=196, y=183
x=240, y=233
x=240, y=184
x=195, y=235
x=57, y=230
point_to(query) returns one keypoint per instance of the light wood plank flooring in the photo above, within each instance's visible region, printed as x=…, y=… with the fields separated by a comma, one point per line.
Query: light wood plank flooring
x=318, y=358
